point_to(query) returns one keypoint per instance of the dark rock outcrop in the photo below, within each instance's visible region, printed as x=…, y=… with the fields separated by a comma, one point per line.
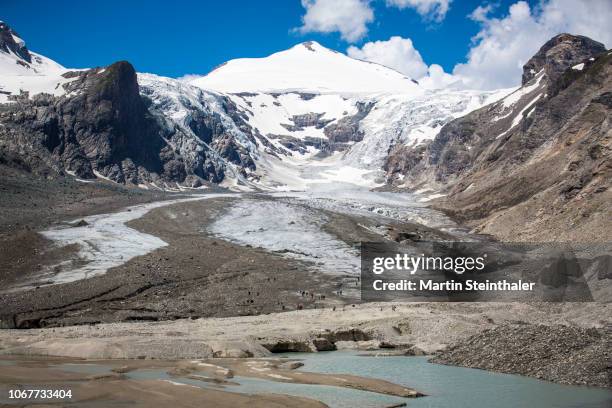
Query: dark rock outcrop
x=300, y=122
x=317, y=341
x=8, y=43
x=402, y=159
x=346, y=334
x=300, y=145
x=102, y=125
x=289, y=346
x=347, y=129
x=322, y=344
x=560, y=53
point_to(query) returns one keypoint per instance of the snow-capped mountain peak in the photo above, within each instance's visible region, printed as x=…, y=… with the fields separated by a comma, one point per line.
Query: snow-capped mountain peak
x=24, y=70
x=312, y=46
x=312, y=108
x=10, y=42
x=15, y=58
x=306, y=67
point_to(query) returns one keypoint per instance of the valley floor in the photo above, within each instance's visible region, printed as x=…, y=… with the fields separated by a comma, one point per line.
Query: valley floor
x=227, y=255
x=240, y=276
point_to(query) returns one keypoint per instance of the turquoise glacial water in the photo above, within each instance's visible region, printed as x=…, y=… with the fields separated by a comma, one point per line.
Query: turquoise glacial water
x=445, y=386
x=458, y=387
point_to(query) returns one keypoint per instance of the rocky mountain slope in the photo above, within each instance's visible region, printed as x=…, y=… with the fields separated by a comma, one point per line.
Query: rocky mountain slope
x=536, y=164
x=103, y=123
x=509, y=163
x=299, y=117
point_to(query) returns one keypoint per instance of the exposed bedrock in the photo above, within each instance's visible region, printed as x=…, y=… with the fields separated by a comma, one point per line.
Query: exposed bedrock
x=534, y=165
x=104, y=126
x=560, y=53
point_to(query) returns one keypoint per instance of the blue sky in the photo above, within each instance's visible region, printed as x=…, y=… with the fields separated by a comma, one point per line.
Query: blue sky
x=186, y=37
x=175, y=38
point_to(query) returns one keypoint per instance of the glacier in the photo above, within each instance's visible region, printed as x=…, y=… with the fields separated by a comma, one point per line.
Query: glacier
x=295, y=119
x=310, y=127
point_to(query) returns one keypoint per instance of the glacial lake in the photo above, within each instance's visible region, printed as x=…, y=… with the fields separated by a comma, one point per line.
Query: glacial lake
x=444, y=386
x=457, y=387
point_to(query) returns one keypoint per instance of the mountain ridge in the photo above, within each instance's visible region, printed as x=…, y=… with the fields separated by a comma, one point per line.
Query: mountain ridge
x=257, y=140
x=467, y=144
x=534, y=163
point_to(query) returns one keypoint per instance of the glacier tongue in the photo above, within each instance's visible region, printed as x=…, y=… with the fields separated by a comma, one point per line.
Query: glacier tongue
x=292, y=223
x=287, y=228
x=105, y=241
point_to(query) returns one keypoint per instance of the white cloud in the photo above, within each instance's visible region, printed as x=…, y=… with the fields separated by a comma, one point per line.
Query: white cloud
x=503, y=45
x=431, y=9
x=397, y=53
x=348, y=17
x=189, y=77
x=436, y=78
x=351, y=17
x=498, y=52
x=480, y=13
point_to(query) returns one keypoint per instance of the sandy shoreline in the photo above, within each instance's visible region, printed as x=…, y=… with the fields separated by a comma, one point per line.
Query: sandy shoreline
x=111, y=386
x=115, y=390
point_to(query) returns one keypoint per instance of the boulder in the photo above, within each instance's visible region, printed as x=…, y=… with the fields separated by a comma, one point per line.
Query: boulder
x=322, y=344
x=291, y=365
